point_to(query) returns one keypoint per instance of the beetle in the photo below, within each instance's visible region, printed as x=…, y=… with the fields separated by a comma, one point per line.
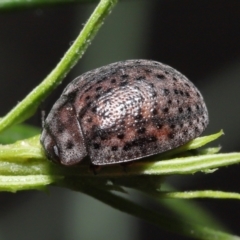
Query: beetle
x=123, y=112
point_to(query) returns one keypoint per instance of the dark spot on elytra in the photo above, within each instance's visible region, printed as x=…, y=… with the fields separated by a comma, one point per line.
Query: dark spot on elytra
x=165, y=110
x=96, y=145
x=114, y=148
x=166, y=91
x=171, y=135
x=186, y=84
x=97, y=96
x=87, y=106
x=89, y=120
x=99, y=81
x=60, y=128
x=176, y=91
x=151, y=139
x=169, y=101
x=154, y=112
x=181, y=92
x=172, y=126
x=189, y=109
x=196, y=129
x=154, y=94
x=166, y=72
x=102, y=79
x=198, y=94
x=174, y=78
x=127, y=147
x=197, y=107
x=148, y=70
x=141, y=130
x=185, y=132
x=157, y=122
x=140, y=78
x=138, y=117
x=87, y=98
x=180, y=110
x=187, y=94
x=69, y=145
x=122, y=123
x=102, y=134
x=123, y=84
x=113, y=80
x=160, y=76
x=139, y=142
x=120, y=135
x=108, y=90
x=159, y=125
x=98, y=88
x=124, y=76
x=94, y=109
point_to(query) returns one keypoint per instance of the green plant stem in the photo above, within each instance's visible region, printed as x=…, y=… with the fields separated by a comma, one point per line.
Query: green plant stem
x=20, y=4
x=28, y=106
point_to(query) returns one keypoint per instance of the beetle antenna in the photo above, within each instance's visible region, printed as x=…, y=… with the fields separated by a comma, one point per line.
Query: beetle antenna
x=43, y=114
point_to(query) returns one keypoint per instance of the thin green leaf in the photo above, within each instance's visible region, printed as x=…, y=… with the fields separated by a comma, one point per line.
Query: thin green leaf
x=17, y=183
x=191, y=145
x=22, y=150
x=201, y=194
x=185, y=165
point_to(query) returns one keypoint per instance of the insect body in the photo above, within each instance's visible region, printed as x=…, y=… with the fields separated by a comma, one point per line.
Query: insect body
x=123, y=112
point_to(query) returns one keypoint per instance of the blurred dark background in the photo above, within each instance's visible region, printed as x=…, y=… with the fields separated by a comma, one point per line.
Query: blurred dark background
x=199, y=38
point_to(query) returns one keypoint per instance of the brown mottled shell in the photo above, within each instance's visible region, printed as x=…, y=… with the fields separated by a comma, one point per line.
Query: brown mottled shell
x=123, y=112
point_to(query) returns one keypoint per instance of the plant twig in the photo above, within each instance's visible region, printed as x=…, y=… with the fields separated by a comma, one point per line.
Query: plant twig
x=29, y=104
x=20, y=4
